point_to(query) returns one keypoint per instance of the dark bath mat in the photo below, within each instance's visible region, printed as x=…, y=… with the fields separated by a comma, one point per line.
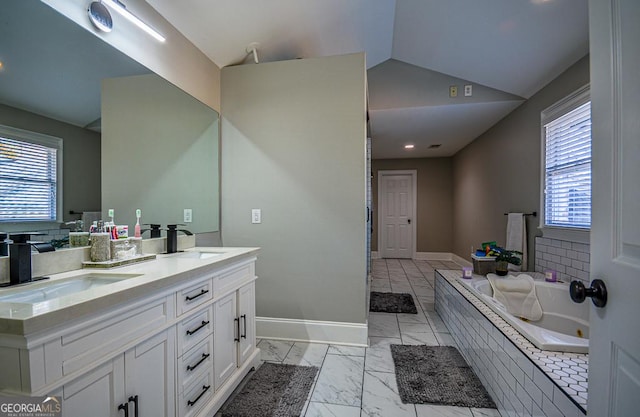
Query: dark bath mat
x=274, y=390
x=388, y=302
x=437, y=375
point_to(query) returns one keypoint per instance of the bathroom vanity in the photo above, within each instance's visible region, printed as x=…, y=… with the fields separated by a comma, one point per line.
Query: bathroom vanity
x=169, y=337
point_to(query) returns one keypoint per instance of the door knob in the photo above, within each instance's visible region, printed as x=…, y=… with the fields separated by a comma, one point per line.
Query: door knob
x=409, y=221
x=597, y=291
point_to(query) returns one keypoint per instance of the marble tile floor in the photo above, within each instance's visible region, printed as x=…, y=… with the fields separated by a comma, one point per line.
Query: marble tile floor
x=360, y=382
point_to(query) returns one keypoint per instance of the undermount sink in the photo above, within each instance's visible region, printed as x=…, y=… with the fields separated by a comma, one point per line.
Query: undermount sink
x=49, y=290
x=198, y=255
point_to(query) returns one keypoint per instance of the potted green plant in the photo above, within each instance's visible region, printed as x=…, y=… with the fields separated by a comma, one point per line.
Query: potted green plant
x=504, y=257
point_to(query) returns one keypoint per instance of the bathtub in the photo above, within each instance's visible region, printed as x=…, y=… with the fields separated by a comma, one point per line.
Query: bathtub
x=564, y=326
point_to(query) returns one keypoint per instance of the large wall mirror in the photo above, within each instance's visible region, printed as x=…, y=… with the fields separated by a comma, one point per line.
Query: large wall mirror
x=130, y=138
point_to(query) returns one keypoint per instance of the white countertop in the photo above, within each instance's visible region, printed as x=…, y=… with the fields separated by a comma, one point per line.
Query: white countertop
x=164, y=271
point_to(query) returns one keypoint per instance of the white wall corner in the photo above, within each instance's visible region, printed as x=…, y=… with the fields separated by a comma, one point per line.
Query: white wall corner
x=337, y=333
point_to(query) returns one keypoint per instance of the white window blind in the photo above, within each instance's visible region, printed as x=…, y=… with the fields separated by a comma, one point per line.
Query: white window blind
x=29, y=166
x=567, y=182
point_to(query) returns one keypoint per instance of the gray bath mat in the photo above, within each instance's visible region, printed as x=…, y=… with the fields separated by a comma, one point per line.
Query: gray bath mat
x=437, y=375
x=388, y=302
x=274, y=390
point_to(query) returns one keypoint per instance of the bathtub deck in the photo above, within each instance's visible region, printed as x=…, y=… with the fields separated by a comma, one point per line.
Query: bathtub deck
x=568, y=371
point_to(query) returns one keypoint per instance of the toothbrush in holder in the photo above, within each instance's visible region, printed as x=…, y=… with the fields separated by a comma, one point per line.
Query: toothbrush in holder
x=137, y=232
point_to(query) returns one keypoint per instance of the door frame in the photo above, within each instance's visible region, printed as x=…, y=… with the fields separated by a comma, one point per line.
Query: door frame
x=380, y=202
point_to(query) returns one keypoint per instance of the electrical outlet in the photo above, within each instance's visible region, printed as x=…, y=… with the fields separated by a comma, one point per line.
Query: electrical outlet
x=468, y=90
x=453, y=91
x=256, y=216
x=188, y=216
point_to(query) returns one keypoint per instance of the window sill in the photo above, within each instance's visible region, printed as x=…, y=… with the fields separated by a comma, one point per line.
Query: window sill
x=33, y=226
x=571, y=235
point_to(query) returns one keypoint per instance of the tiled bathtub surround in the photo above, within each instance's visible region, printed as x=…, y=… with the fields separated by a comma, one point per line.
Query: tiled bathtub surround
x=522, y=379
x=570, y=259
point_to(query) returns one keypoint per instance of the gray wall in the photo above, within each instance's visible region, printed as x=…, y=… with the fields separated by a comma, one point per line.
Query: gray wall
x=435, y=200
x=499, y=172
x=159, y=153
x=293, y=145
x=176, y=59
x=80, y=158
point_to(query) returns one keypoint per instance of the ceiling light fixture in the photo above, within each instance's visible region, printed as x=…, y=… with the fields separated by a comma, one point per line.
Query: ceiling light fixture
x=121, y=9
x=409, y=146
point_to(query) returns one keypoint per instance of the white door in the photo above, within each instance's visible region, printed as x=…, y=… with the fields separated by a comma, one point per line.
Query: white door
x=397, y=199
x=246, y=308
x=225, y=335
x=614, y=346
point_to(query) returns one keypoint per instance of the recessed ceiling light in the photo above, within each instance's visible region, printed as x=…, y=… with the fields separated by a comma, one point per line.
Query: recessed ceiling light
x=409, y=146
x=436, y=146
x=1, y=65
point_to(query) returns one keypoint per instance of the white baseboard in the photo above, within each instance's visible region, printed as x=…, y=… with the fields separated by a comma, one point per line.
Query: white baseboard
x=337, y=333
x=433, y=256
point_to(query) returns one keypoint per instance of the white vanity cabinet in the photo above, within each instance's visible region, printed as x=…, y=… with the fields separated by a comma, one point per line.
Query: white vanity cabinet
x=179, y=350
x=139, y=382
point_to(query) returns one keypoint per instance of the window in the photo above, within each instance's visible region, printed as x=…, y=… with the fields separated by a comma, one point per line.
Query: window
x=566, y=131
x=30, y=167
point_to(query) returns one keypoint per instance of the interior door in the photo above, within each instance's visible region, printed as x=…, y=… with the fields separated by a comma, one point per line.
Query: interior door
x=614, y=349
x=397, y=213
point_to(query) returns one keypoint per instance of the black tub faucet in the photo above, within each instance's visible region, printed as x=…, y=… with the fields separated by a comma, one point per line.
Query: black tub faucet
x=20, y=258
x=172, y=237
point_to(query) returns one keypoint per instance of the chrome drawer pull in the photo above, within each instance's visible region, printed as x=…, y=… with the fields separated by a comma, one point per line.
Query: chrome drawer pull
x=194, y=331
x=205, y=388
x=202, y=359
x=202, y=292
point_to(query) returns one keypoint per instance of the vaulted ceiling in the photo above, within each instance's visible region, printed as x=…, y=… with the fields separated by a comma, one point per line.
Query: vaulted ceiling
x=507, y=50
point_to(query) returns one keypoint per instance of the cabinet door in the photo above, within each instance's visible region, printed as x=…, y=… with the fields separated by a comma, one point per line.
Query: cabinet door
x=246, y=308
x=150, y=374
x=225, y=334
x=97, y=393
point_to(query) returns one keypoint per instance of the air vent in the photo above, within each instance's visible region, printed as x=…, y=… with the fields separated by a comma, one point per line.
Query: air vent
x=435, y=146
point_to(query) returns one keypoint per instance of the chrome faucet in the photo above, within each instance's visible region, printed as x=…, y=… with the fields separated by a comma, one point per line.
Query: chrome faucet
x=172, y=237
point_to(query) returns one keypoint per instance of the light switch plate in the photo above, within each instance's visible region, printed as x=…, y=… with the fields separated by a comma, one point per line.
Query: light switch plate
x=188, y=215
x=256, y=216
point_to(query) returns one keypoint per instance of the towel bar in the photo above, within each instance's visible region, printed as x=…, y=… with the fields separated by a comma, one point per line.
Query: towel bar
x=533, y=213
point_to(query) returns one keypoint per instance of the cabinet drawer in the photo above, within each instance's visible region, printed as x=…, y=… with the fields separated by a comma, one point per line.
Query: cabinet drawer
x=195, y=362
x=194, y=296
x=233, y=277
x=194, y=329
x=194, y=397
